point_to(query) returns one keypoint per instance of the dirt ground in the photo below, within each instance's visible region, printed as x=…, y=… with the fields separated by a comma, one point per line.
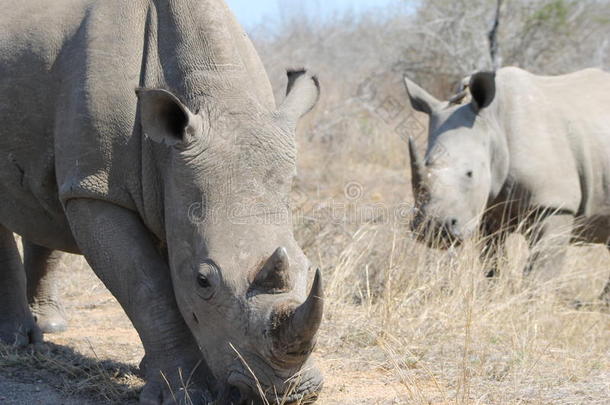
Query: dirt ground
x=95, y=360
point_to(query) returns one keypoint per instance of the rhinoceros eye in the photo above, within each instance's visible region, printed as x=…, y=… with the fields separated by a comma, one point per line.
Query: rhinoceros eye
x=207, y=278
x=469, y=174
x=203, y=281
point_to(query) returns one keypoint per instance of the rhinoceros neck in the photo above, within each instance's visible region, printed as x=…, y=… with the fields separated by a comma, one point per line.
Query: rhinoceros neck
x=196, y=47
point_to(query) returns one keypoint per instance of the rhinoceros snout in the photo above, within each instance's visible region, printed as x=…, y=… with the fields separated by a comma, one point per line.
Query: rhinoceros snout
x=236, y=396
x=437, y=232
x=447, y=232
x=242, y=390
x=451, y=226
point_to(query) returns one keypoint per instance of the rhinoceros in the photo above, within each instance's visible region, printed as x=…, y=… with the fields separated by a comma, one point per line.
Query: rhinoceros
x=144, y=135
x=517, y=148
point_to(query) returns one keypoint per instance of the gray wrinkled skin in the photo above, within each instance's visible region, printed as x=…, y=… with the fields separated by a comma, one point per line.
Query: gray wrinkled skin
x=516, y=146
x=40, y=265
x=177, y=194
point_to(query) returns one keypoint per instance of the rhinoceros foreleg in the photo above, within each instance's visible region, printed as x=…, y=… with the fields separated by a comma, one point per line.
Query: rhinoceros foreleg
x=41, y=264
x=17, y=324
x=492, y=252
x=548, y=240
x=121, y=251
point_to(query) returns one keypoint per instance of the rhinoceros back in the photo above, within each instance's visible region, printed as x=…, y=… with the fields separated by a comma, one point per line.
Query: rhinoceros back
x=559, y=137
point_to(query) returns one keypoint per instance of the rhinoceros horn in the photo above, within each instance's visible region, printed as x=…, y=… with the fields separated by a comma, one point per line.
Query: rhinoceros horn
x=417, y=168
x=295, y=329
x=274, y=277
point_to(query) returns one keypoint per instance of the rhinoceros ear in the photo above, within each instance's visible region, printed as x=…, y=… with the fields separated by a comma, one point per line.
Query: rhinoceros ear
x=483, y=89
x=302, y=94
x=165, y=119
x=421, y=100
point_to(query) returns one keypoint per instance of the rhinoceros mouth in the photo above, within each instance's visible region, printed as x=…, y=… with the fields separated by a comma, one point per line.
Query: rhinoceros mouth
x=435, y=235
x=306, y=393
x=443, y=239
x=299, y=391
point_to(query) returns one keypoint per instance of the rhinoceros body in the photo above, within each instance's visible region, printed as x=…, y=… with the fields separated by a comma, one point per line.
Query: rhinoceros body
x=522, y=148
x=144, y=135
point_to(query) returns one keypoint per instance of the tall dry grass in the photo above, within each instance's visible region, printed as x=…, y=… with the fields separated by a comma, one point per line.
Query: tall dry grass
x=431, y=321
x=427, y=320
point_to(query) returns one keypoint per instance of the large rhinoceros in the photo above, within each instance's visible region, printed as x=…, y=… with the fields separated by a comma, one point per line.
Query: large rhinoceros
x=144, y=135
x=521, y=149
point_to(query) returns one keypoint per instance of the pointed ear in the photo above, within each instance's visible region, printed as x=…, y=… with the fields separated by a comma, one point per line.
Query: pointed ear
x=302, y=94
x=165, y=119
x=483, y=89
x=421, y=100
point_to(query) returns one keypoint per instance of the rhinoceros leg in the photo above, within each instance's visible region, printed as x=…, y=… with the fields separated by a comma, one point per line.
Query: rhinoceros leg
x=40, y=265
x=122, y=253
x=491, y=254
x=548, y=241
x=17, y=325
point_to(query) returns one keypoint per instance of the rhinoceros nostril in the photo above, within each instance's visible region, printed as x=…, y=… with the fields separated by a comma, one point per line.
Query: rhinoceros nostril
x=454, y=222
x=235, y=395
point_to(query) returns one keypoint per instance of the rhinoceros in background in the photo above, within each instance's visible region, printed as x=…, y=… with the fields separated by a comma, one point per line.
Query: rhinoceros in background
x=523, y=148
x=178, y=196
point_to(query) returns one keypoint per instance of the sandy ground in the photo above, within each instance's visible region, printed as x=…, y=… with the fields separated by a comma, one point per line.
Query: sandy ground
x=95, y=360
x=100, y=340
x=37, y=392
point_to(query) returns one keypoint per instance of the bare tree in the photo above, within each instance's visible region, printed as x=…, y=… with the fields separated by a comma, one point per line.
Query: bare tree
x=496, y=60
x=436, y=44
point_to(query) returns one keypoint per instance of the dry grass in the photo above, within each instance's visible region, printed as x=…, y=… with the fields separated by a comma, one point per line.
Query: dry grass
x=432, y=322
x=71, y=373
x=403, y=324
x=448, y=334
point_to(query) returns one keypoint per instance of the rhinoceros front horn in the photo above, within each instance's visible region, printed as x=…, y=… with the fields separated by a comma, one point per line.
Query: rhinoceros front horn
x=295, y=329
x=417, y=168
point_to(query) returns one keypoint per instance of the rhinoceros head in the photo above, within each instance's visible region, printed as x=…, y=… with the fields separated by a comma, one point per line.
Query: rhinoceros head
x=248, y=293
x=452, y=183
